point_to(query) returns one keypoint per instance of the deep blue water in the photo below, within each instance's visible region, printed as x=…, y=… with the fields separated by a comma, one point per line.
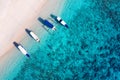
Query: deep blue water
x=88, y=50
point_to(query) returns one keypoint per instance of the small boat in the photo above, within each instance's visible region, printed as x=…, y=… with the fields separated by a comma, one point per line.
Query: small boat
x=50, y=25
x=33, y=35
x=61, y=21
x=21, y=49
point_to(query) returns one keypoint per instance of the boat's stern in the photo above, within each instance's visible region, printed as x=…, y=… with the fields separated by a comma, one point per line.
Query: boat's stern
x=54, y=28
x=28, y=55
x=38, y=40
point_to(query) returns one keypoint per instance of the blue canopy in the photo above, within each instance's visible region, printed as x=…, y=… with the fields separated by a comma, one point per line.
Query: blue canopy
x=47, y=23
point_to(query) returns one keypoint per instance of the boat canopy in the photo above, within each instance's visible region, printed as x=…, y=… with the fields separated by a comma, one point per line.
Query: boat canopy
x=48, y=24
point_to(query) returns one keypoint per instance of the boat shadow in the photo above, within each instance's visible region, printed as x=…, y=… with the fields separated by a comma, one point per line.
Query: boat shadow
x=41, y=20
x=54, y=17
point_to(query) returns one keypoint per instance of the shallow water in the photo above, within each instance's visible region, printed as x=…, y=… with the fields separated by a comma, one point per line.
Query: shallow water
x=88, y=50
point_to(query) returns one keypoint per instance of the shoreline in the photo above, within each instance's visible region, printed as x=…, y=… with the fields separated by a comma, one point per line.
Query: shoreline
x=20, y=32
x=26, y=24
x=10, y=55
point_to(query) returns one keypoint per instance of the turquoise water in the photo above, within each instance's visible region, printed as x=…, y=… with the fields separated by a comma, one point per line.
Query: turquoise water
x=88, y=50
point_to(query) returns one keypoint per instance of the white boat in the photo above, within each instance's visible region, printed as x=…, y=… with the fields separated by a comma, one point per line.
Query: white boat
x=21, y=49
x=35, y=37
x=61, y=21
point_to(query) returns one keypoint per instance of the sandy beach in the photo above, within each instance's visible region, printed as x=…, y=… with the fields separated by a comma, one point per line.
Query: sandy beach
x=17, y=15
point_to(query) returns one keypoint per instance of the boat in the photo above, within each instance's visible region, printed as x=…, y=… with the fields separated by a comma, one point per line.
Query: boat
x=33, y=35
x=21, y=49
x=62, y=22
x=50, y=25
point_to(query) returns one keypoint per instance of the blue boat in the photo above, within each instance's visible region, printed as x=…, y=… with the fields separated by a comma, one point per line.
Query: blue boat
x=48, y=24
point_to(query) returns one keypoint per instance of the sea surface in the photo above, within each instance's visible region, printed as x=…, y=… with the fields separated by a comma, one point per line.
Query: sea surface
x=88, y=50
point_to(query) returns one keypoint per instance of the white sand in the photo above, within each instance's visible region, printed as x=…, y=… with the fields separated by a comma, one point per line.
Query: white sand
x=15, y=16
